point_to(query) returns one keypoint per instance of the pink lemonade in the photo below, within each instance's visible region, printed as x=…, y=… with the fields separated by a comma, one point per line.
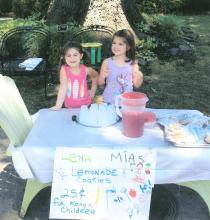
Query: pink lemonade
x=133, y=123
x=134, y=99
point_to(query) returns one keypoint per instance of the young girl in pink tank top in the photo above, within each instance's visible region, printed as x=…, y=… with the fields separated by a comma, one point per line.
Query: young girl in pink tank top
x=120, y=72
x=73, y=91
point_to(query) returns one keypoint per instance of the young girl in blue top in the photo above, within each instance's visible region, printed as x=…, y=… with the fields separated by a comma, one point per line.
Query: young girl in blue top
x=120, y=72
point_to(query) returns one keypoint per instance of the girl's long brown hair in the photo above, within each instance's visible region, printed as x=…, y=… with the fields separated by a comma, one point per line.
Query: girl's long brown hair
x=130, y=42
x=78, y=47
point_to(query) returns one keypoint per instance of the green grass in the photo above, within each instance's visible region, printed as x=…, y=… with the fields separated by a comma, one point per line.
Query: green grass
x=181, y=84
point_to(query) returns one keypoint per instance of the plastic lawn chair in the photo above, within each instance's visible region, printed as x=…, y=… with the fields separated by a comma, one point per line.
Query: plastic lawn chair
x=15, y=119
x=33, y=187
x=16, y=122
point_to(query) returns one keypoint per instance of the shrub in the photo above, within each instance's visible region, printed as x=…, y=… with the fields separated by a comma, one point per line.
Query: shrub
x=173, y=6
x=57, y=40
x=36, y=44
x=157, y=34
x=6, y=26
x=168, y=28
x=195, y=6
x=160, y=6
x=145, y=50
x=63, y=11
x=31, y=44
x=25, y=8
x=5, y=6
x=146, y=46
x=22, y=8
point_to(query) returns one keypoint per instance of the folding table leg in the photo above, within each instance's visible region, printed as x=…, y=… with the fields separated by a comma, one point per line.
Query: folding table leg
x=202, y=187
x=33, y=187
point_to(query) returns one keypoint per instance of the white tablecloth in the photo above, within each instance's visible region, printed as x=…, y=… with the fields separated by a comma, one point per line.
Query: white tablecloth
x=56, y=128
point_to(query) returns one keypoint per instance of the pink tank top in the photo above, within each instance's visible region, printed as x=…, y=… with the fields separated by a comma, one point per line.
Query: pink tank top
x=77, y=89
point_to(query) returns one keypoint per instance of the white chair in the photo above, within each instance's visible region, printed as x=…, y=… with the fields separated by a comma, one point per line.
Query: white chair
x=16, y=122
x=15, y=118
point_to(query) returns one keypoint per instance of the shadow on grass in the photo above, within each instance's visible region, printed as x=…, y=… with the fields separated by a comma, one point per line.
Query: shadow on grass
x=11, y=194
x=174, y=202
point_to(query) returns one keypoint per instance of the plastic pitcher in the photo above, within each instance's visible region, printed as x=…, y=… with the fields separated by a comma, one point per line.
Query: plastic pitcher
x=132, y=112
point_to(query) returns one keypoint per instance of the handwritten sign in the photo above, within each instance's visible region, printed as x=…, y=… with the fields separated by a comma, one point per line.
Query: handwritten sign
x=92, y=183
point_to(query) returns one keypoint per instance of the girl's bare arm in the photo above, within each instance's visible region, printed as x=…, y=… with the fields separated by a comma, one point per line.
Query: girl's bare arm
x=137, y=76
x=103, y=73
x=61, y=91
x=94, y=81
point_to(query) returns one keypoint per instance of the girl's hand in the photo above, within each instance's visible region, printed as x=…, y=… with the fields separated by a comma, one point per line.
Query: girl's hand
x=55, y=108
x=92, y=93
x=137, y=76
x=94, y=78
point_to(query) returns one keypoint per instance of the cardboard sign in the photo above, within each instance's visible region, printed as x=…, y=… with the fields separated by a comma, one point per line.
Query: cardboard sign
x=92, y=183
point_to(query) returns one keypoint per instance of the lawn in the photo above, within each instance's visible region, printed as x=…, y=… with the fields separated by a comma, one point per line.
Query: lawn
x=180, y=84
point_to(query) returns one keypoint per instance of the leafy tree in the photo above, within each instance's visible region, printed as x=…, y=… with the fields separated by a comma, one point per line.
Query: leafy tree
x=63, y=11
x=26, y=8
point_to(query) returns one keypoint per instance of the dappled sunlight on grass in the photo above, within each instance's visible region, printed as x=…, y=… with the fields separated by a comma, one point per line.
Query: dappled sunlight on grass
x=199, y=24
x=194, y=26
x=183, y=84
x=184, y=87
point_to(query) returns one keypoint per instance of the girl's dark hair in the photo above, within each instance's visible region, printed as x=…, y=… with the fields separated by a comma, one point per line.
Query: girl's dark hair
x=75, y=45
x=128, y=37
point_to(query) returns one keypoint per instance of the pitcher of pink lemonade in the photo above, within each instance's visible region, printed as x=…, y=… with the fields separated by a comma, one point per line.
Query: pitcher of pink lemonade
x=132, y=111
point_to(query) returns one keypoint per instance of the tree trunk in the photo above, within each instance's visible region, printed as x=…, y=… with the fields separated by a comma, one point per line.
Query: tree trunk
x=117, y=14
x=111, y=13
x=63, y=11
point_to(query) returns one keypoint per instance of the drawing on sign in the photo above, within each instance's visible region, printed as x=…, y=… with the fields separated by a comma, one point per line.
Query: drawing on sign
x=102, y=183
